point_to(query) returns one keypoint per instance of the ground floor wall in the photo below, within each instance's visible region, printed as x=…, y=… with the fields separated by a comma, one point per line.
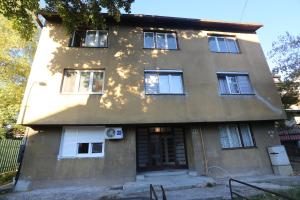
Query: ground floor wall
x=42, y=166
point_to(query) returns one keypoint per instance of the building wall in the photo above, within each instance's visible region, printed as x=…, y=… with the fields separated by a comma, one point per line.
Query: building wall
x=124, y=100
x=42, y=168
x=243, y=162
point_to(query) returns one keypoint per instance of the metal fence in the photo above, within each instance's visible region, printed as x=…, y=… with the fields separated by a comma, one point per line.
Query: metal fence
x=9, y=150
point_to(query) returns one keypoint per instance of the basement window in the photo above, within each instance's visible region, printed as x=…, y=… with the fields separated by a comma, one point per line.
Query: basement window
x=83, y=81
x=89, y=38
x=223, y=44
x=80, y=142
x=236, y=136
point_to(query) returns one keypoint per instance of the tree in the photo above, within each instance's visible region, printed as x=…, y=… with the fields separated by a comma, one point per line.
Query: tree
x=15, y=57
x=74, y=13
x=285, y=54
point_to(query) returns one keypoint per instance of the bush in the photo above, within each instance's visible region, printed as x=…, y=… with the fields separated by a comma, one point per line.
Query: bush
x=7, y=177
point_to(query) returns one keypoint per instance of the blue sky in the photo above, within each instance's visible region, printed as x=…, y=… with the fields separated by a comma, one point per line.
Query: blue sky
x=277, y=16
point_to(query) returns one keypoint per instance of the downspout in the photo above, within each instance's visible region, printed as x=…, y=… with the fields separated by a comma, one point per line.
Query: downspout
x=204, y=152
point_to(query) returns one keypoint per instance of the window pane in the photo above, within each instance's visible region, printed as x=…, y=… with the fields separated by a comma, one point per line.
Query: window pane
x=164, y=84
x=223, y=86
x=176, y=84
x=224, y=137
x=160, y=41
x=97, y=147
x=97, y=82
x=79, y=38
x=151, y=83
x=149, y=40
x=233, y=85
x=244, y=84
x=102, y=40
x=90, y=39
x=84, y=81
x=171, y=39
x=69, y=81
x=231, y=43
x=246, y=135
x=234, y=136
x=83, y=148
x=212, y=44
x=222, y=45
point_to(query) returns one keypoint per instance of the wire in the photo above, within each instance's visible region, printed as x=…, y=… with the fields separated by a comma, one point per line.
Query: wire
x=243, y=11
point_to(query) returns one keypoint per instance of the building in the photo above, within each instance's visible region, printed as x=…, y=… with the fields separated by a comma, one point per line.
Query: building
x=186, y=93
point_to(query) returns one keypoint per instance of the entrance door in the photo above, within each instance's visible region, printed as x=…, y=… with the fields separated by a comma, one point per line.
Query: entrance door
x=160, y=148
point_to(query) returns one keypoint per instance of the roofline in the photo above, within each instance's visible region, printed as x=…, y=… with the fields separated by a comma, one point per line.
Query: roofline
x=172, y=22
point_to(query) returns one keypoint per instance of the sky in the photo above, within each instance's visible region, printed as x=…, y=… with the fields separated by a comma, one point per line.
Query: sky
x=277, y=16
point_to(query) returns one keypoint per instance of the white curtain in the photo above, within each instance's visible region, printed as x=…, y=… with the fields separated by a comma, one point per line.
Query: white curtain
x=224, y=139
x=223, y=85
x=234, y=136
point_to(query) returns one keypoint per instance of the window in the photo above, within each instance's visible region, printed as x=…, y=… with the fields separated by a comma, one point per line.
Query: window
x=160, y=40
x=82, y=142
x=83, y=81
x=223, y=44
x=233, y=83
x=89, y=38
x=235, y=136
x=163, y=82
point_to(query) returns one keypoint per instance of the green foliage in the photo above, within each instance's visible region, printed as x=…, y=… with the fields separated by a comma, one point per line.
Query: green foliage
x=74, y=13
x=285, y=54
x=6, y=178
x=15, y=57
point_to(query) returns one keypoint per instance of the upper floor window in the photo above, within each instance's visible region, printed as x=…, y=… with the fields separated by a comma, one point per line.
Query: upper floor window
x=236, y=136
x=233, y=83
x=83, y=81
x=160, y=40
x=163, y=82
x=89, y=38
x=223, y=44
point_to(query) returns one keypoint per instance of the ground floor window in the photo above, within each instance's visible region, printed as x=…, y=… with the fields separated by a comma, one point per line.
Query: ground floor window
x=82, y=142
x=236, y=136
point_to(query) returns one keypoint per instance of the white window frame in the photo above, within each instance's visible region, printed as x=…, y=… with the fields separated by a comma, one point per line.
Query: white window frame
x=77, y=81
x=166, y=72
x=153, y=39
x=97, y=39
x=227, y=47
x=82, y=155
x=235, y=74
x=165, y=38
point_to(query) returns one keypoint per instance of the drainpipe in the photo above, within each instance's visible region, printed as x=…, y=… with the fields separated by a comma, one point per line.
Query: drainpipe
x=204, y=152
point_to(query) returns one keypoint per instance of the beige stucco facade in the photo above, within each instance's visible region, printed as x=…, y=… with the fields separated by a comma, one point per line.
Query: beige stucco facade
x=200, y=110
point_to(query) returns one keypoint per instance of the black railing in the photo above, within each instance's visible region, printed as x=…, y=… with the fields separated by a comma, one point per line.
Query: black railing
x=234, y=193
x=153, y=193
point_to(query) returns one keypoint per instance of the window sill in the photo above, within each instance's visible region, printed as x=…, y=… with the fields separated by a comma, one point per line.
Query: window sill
x=220, y=52
x=90, y=47
x=252, y=94
x=72, y=158
x=161, y=49
x=240, y=148
x=168, y=94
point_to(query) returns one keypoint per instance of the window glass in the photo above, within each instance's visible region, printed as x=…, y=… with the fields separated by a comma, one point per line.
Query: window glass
x=164, y=86
x=171, y=39
x=97, y=82
x=234, y=136
x=231, y=43
x=102, y=40
x=160, y=41
x=176, y=84
x=69, y=81
x=232, y=84
x=97, y=147
x=222, y=45
x=244, y=84
x=84, y=82
x=149, y=40
x=246, y=135
x=223, y=85
x=225, y=143
x=91, y=39
x=83, y=148
x=213, y=44
x=151, y=83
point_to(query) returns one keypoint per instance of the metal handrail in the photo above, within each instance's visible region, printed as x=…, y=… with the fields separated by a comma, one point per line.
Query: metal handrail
x=153, y=193
x=253, y=186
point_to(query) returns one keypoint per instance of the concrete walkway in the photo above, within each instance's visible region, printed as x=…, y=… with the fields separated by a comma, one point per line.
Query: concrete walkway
x=183, y=187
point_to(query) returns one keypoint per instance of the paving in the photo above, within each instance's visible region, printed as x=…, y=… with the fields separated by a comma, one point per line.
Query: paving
x=180, y=186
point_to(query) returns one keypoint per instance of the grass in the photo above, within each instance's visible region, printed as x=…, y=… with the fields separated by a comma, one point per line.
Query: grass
x=292, y=193
x=7, y=177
